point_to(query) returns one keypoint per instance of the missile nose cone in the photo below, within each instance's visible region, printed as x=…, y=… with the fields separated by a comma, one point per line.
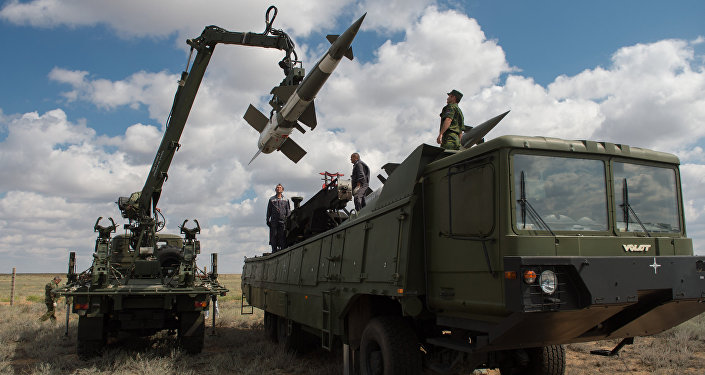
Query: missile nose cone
x=476, y=134
x=342, y=44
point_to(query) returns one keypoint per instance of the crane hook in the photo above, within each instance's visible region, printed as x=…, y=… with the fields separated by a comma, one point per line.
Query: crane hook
x=267, y=21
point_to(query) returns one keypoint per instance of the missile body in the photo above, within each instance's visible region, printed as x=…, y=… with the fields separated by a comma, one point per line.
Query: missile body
x=475, y=135
x=298, y=105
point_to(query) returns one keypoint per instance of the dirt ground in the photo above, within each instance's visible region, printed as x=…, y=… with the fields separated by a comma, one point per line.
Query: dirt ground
x=28, y=346
x=240, y=347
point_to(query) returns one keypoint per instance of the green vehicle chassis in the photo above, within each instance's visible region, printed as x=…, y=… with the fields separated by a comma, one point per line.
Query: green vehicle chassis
x=491, y=257
x=126, y=292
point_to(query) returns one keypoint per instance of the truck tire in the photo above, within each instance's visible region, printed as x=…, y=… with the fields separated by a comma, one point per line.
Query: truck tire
x=169, y=259
x=547, y=360
x=91, y=337
x=270, y=326
x=192, y=328
x=389, y=346
x=87, y=349
x=296, y=341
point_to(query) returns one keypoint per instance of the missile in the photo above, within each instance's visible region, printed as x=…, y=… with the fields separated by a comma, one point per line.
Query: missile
x=298, y=101
x=475, y=135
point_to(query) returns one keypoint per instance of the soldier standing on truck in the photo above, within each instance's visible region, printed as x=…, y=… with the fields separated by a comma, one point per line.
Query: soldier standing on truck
x=360, y=180
x=452, y=122
x=50, y=299
x=278, y=209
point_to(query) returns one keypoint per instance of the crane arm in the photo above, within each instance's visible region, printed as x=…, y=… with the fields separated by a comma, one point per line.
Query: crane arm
x=139, y=206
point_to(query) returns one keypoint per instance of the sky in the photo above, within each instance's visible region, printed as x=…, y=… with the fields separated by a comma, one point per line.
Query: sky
x=86, y=87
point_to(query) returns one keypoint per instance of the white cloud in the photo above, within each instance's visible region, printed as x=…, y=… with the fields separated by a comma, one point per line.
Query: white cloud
x=47, y=154
x=162, y=18
x=651, y=96
x=59, y=174
x=39, y=230
x=391, y=16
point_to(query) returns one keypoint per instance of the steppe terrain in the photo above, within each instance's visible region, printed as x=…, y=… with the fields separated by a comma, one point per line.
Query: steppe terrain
x=239, y=346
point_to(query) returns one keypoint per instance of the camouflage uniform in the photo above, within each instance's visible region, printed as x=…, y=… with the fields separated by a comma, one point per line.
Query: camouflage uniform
x=49, y=300
x=451, y=137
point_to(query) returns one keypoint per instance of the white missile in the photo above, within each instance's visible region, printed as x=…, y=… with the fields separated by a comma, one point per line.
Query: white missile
x=275, y=130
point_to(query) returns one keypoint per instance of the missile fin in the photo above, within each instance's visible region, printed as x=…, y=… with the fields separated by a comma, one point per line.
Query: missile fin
x=284, y=92
x=308, y=116
x=292, y=150
x=255, y=118
x=348, y=52
x=299, y=128
x=390, y=167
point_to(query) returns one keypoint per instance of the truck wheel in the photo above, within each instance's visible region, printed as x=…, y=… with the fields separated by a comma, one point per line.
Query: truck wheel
x=389, y=346
x=297, y=340
x=270, y=326
x=87, y=349
x=91, y=337
x=547, y=360
x=192, y=327
x=169, y=259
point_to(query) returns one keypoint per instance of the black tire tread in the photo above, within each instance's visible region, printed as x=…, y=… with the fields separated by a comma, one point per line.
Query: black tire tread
x=403, y=355
x=90, y=337
x=87, y=349
x=192, y=344
x=298, y=342
x=270, y=326
x=547, y=360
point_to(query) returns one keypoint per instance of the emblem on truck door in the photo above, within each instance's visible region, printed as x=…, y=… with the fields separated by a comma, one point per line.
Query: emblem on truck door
x=632, y=248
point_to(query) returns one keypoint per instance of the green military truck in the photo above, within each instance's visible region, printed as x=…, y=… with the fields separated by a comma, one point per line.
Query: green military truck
x=490, y=257
x=141, y=292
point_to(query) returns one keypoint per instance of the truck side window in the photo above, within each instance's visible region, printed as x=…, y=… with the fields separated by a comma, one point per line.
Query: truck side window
x=471, y=200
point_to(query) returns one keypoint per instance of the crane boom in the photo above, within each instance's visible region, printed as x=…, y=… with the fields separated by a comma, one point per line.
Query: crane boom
x=138, y=208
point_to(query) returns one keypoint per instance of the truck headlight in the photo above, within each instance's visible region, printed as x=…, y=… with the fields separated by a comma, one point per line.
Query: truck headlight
x=548, y=281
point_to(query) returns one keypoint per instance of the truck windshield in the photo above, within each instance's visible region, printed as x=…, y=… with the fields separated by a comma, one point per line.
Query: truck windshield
x=568, y=194
x=650, y=192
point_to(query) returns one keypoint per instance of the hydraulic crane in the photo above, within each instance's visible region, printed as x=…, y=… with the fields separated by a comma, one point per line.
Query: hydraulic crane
x=142, y=282
x=141, y=207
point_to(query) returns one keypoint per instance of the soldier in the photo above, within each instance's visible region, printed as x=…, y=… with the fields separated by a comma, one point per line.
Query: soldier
x=278, y=209
x=360, y=180
x=50, y=299
x=452, y=122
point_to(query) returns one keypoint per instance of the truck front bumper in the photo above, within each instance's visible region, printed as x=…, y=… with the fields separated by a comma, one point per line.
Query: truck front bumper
x=598, y=298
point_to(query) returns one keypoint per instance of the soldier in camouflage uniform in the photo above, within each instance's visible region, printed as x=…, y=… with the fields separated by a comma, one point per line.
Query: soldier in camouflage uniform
x=50, y=299
x=452, y=122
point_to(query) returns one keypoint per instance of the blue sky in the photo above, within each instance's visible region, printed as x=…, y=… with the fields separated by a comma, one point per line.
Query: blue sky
x=86, y=86
x=549, y=38
x=543, y=39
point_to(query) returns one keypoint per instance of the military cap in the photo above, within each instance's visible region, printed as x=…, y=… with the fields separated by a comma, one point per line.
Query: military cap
x=458, y=95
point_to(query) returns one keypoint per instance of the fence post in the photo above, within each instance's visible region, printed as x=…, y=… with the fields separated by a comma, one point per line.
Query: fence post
x=12, y=288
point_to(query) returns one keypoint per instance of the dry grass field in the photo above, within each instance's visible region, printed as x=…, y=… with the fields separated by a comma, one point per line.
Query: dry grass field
x=239, y=346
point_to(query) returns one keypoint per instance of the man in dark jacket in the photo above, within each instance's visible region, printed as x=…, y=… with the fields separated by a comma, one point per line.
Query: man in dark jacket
x=360, y=180
x=278, y=209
